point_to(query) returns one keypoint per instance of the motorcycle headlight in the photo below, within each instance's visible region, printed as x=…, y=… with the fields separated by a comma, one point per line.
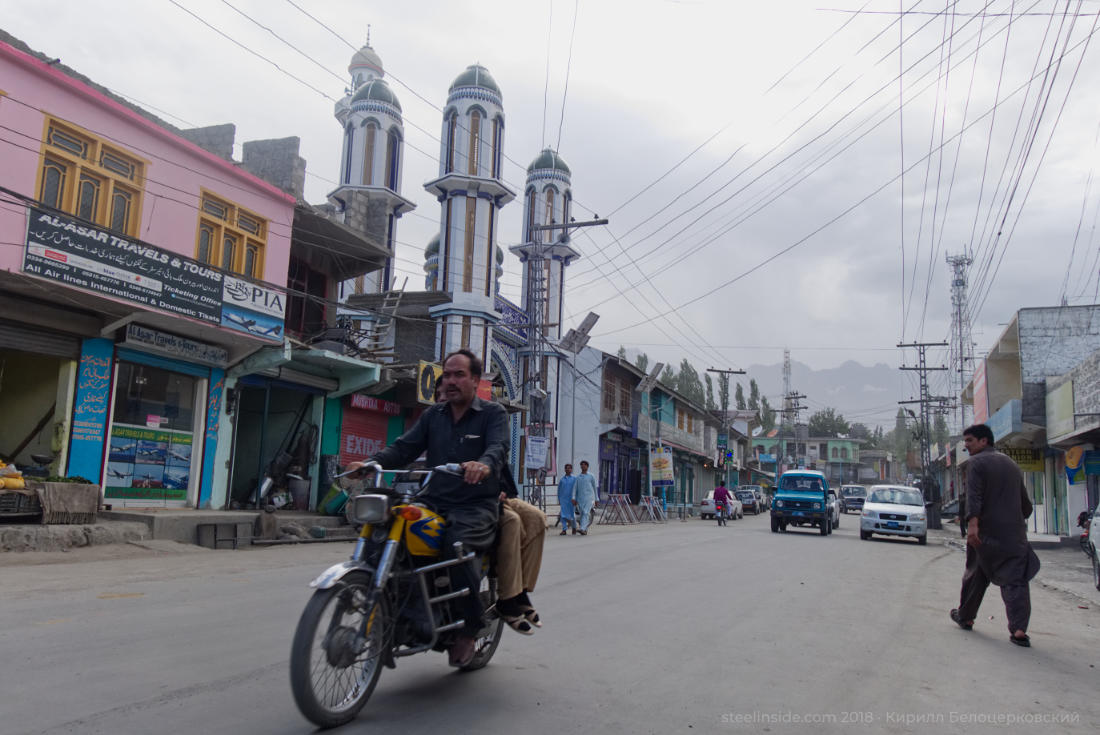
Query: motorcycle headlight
x=368, y=508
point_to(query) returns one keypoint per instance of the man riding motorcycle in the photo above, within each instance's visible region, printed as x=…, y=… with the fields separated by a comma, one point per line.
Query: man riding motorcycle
x=473, y=434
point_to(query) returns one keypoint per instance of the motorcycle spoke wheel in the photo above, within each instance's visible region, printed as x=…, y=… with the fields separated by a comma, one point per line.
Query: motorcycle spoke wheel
x=338, y=649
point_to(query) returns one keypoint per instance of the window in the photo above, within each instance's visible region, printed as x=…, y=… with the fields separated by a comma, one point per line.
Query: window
x=452, y=123
x=608, y=393
x=549, y=207
x=468, y=255
x=836, y=452
x=230, y=238
x=393, y=146
x=368, y=154
x=349, y=138
x=531, y=215
x=680, y=419
x=474, y=156
x=498, y=129
x=305, y=315
x=93, y=180
x=844, y=452
x=624, y=398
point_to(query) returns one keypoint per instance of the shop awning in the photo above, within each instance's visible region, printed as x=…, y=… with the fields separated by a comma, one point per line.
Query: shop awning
x=338, y=374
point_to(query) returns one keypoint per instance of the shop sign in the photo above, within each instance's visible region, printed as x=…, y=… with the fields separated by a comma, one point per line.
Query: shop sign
x=1092, y=462
x=171, y=345
x=1007, y=421
x=1029, y=460
x=538, y=450
x=148, y=464
x=723, y=441
x=767, y=459
x=981, y=394
x=93, y=397
x=1075, y=465
x=64, y=250
x=660, y=466
x=370, y=403
x=427, y=375
x=1059, y=404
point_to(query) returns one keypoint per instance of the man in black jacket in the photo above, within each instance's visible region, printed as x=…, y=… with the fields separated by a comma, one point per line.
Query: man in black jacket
x=474, y=434
x=997, y=549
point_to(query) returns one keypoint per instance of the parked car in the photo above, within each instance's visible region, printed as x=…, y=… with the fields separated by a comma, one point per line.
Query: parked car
x=834, y=508
x=706, y=507
x=1094, y=539
x=894, y=510
x=748, y=499
x=852, y=497
x=761, y=498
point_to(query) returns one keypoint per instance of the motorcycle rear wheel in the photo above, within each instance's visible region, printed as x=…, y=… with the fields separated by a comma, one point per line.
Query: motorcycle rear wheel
x=331, y=681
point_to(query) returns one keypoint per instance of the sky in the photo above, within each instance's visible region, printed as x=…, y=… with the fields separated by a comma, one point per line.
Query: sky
x=776, y=175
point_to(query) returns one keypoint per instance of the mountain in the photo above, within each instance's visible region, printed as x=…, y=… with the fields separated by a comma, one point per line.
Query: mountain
x=861, y=393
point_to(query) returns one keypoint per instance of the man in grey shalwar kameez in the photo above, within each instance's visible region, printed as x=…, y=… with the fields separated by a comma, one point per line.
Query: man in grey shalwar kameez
x=997, y=549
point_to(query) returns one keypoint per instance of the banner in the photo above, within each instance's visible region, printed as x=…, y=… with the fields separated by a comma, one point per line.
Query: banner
x=538, y=449
x=81, y=256
x=1075, y=460
x=660, y=467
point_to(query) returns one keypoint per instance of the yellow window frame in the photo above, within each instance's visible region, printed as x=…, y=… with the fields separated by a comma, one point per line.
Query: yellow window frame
x=227, y=225
x=99, y=167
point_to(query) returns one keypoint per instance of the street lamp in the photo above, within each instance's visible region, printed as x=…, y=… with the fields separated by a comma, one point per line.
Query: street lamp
x=573, y=342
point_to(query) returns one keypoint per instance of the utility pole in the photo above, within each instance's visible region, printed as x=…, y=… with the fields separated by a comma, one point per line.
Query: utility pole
x=725, y=416
x=790, y=410
x=536, y=255
x=961, y=356
x=931, y=499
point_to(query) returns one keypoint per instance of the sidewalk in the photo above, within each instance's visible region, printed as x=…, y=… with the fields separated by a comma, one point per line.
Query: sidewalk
x=1064, y=567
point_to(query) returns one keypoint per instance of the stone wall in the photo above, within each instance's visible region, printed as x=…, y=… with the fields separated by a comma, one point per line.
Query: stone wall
x=217, y=139
x=277, y=162
x=367, y=215
x=1053, y=341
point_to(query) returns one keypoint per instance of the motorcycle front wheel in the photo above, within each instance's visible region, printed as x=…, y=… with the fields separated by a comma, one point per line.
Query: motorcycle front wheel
x=338, y=651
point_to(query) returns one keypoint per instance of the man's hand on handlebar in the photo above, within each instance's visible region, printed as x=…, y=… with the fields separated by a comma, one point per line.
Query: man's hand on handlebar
x=474, y=472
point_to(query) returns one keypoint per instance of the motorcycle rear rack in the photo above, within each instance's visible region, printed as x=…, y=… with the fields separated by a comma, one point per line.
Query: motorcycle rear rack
x=430, y=602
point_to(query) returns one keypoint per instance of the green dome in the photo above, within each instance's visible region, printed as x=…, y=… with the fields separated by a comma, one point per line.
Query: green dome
x=549, y=159
x=475, y=75
x=378, y=90
x=433, y=247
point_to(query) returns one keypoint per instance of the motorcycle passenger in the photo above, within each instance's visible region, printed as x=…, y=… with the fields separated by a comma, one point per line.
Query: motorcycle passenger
x=721, y=503
x=473, y=433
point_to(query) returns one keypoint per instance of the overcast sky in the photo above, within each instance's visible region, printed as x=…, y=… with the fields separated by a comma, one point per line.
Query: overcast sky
x=748, y=154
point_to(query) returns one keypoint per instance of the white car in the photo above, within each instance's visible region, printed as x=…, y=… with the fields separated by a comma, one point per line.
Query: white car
x=706, y=507
x=834, y=507
x=894, y=510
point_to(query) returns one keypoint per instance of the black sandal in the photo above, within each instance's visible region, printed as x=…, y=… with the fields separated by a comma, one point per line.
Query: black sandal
x=1025, y=642
x=519, y=624
x=959, y=621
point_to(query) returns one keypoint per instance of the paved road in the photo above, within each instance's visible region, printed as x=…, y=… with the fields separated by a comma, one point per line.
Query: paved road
x=687, y=627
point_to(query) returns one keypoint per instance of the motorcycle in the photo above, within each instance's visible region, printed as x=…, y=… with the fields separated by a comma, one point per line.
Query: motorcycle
x=392, y=599
x=720, y=511
x=1084, y=520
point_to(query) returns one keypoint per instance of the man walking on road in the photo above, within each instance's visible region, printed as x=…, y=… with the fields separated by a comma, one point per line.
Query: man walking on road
x=565, y=500
x=997, y=549
x=584, y=497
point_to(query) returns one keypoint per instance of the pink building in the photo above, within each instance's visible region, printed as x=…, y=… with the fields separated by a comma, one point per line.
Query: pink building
x=135, y=267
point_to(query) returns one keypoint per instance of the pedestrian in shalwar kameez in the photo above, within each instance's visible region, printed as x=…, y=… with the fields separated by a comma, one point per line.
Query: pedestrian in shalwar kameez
x=997, y=549
x=584, y=495
x=565, y=500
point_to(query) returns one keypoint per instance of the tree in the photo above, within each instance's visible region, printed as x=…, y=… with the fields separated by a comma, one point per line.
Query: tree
x=859, y=431
x=827, y=422
x=621, y=353
x=754, y=395
x=689, y=384
x=710, y=392
x=642, y=362
x=767, y=415
x=668, y=377
x=740, y=396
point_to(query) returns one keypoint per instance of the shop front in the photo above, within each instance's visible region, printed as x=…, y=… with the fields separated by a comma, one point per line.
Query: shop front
x=156, y=438
x=621, y=466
